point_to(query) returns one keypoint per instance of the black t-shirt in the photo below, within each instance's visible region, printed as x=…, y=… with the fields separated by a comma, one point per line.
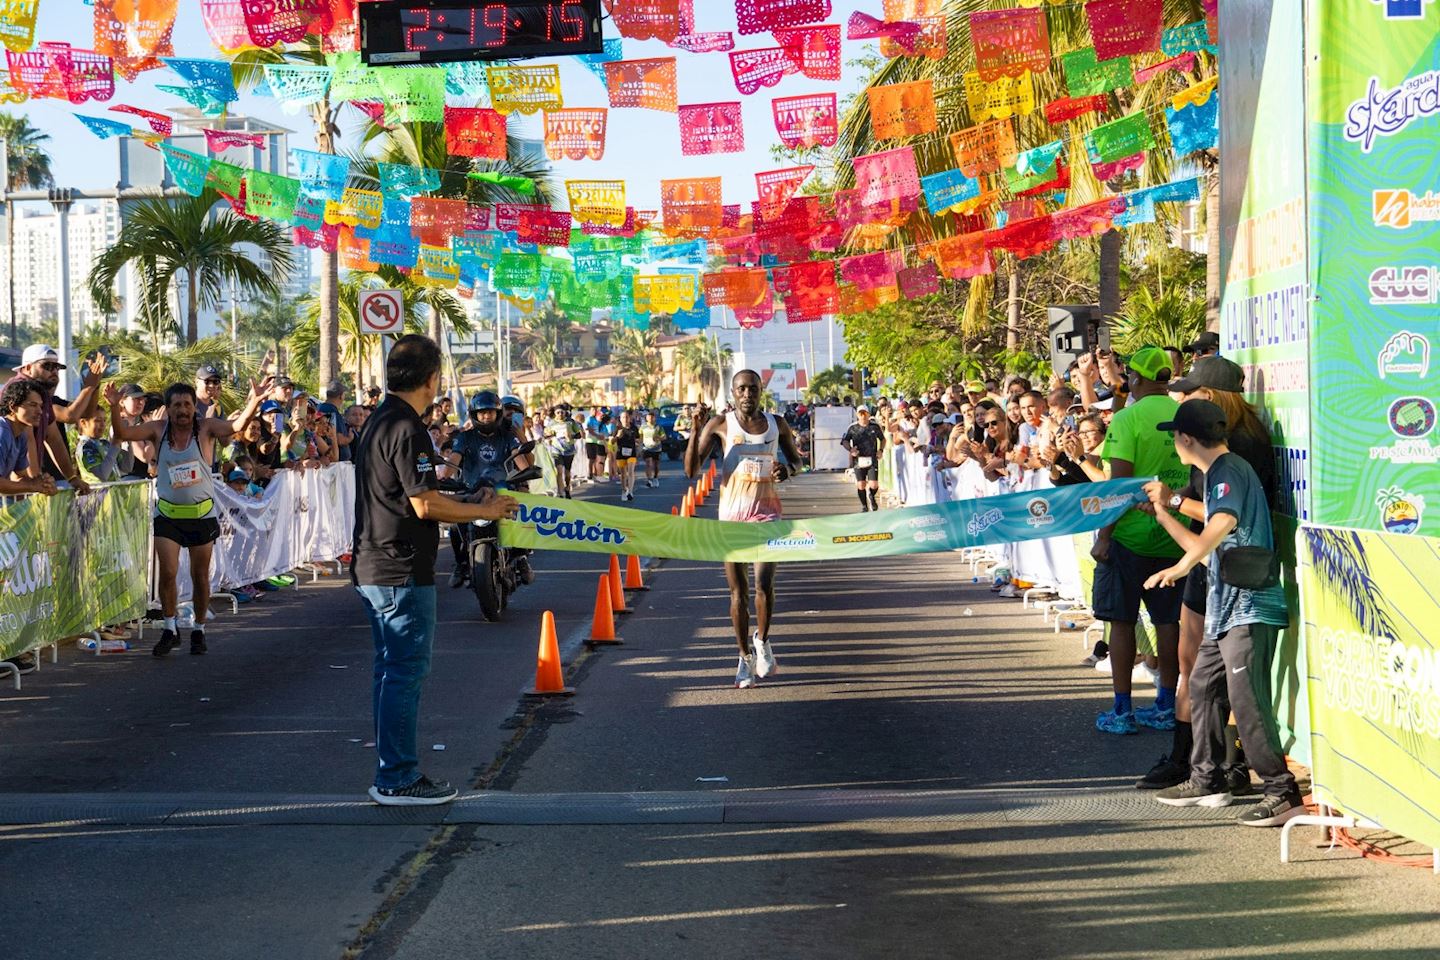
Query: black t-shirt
x=627, y=443
x=864, y=441
x=394, y=461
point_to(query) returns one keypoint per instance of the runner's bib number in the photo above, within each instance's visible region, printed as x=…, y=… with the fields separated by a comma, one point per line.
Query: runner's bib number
x=627, y=452
x=863, y=462
x=184, y=475
x=755, y=468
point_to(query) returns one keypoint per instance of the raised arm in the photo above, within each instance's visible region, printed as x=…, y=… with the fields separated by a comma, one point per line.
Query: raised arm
x=225, y=429
x=89, y=391
x=700, y=441
x=148, y=430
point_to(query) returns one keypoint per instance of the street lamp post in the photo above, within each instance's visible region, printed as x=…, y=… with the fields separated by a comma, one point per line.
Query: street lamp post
x=60, y=198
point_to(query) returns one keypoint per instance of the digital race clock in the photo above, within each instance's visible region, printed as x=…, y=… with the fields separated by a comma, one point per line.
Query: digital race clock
x=437, y=31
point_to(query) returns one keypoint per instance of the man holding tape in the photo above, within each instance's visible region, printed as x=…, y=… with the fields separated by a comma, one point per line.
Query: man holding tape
x=751, y=442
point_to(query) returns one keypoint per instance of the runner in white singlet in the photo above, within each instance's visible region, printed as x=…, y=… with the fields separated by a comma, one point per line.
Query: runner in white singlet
x=759, y=453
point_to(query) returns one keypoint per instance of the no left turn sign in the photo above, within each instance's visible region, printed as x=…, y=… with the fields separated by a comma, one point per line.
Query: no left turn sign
x=382, y=311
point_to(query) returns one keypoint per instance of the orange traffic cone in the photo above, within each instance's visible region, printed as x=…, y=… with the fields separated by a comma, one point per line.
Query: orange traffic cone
x=674, y=511
x=699, y=495
x=602, y=627
x=687, y=506
x=617, y=589
x=549, y=675
x=633, y=579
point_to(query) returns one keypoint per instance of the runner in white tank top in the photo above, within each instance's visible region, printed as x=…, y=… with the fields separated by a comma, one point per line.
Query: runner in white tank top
x=759, y=453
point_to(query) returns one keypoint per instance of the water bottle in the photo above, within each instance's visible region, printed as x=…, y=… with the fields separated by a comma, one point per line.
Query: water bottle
x=185, y=616
x=106, y=646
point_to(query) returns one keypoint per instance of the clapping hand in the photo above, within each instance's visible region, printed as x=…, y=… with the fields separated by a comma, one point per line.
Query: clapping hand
x=95, y=368
x=111, y=392
x=260, y=390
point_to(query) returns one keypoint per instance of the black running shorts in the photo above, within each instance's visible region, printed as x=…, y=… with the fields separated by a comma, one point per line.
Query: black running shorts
x=1197, y=589
x=1119, y=589
x=188, y=533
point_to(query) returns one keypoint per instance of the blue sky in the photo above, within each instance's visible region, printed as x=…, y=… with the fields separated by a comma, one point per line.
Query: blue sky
x=643, y=146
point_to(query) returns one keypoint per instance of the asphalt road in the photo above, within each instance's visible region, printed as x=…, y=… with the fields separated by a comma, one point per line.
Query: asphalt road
x=920, y=777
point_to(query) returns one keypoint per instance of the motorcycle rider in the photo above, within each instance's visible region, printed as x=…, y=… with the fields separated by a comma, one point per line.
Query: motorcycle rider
x=483, y=447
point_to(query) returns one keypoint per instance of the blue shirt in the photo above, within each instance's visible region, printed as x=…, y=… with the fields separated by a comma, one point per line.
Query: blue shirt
x=14, y=454
x=482, y=457
x=1233, y=487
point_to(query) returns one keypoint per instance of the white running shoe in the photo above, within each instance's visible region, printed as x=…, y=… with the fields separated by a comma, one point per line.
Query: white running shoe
x=764, y=656
x=745, y=672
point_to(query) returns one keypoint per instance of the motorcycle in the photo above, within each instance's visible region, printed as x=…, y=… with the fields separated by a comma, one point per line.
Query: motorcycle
x=495, y=571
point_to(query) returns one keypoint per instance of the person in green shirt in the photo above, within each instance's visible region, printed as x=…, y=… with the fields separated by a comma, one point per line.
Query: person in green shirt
x=1130, y=551
x=651, y=435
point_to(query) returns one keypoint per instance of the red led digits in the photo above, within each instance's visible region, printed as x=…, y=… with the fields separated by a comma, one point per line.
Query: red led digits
x=502, y=24
x=577, y=21
x=519, y=27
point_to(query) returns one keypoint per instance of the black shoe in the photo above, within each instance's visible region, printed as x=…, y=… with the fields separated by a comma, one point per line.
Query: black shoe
x=1273, y=811
x=1165, y=773
x=168, y=641
x=1190, y=794
x=1237, y=780
x=422, y=793
x=197, y=643
x=525, y=572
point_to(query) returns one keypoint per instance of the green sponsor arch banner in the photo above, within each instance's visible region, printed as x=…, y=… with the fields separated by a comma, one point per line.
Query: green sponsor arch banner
x=545, y=523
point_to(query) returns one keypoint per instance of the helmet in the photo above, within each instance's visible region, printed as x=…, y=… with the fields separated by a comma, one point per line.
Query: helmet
x=484, y=400
x=510, y=401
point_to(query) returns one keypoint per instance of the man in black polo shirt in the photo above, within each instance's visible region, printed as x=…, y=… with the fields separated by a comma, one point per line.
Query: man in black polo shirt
x=398, y=512
x=865, y=440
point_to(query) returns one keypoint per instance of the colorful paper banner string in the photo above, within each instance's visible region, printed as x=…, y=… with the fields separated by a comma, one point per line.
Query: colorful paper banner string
x=932, y=40
x=712, y=42
x=813, y=51
x=279, y=21
x=525, y=89
x=59, y=71
x=758, y=16
x=984, y=148
x=415, y=94
x=643, y=84
x=297, y=86
x=577, y=133
x=1119, y=138
x=1069, y=108
x=434, y=220
x=1140, y=204
x=807, y=121
x=775, y=188
x=646, y=19
x=321, y=175
x=1085, y=75
x=189, y=170
x=1187, y=37
x=766, y=67
x=1184, y=63
x=691, y=202
x=902, y=109
x=17, y=24
x=1123, y=28
x=862, y=26
x=270, y=195
x=1194, y=127
x=159, y=123
x=919, y=281
x=213, y=77
x=1005, y=97
x=948, y=189
x=1009, y=42
x=707, y=128
x=135, y=33
x=105, y=128
x=597, y=201
x=475, y=132
x=664, y=294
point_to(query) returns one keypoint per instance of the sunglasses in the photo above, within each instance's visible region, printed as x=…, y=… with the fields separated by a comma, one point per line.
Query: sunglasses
x=212, y=382
x=991, y=423
x=52, y=365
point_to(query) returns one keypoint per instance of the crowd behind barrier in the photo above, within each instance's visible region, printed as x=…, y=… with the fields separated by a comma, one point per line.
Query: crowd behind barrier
x=72, y=565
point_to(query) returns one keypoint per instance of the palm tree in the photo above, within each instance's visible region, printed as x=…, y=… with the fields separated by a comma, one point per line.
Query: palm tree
x=356, y=351
x=1172, y=319
x=838, y=381
x=164, y=237
x=270, y=325
x=705, y=360
x=155, y=370
x=544, y=334
x=27, y=165
x=637, y=354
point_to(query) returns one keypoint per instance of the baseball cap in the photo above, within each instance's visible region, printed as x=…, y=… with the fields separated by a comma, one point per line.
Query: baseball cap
x=1200, y=419
x=1149, y=362
x=937, y=418
x=38, y=353
x=864, y=406
x=283, y=382
x=236, y=475
x=975, y=386
x=207, y=372
x=1206, y=341
x=1217, y=373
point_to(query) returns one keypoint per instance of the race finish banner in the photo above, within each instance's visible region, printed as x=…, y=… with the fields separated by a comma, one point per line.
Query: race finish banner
x=70, y=564
x=544, y=523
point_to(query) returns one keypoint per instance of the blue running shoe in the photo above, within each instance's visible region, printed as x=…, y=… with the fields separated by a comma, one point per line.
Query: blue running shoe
x=1112, y=722
x=1155, y=718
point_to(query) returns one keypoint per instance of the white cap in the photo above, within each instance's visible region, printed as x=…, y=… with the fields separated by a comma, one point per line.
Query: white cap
x=1107, y=404
x=38, y=353
x=863, y=406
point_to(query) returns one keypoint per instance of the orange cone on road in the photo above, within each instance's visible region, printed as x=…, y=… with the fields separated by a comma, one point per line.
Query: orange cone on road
x=602, y=627
x=633, y=579
x=549, y=674
x=674, y=511
x=617, y=589
x=687, y=506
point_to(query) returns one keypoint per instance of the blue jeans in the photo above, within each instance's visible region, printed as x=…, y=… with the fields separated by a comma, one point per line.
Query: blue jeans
x=402, y=624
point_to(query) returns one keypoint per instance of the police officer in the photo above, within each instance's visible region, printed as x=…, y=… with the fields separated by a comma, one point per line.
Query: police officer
x=483, y=448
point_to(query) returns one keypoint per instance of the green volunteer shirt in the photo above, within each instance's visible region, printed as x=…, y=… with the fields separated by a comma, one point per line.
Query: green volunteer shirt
x=1132, y=436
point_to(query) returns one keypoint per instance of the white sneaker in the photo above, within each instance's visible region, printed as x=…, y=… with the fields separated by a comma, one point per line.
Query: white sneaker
x=1009, y=592
x=1103, y=665
x=745, y=672
x=764, y=656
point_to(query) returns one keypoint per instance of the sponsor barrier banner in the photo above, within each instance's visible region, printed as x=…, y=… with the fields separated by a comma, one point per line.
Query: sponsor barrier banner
x=70, y=564
x=1369, y=603
x=547, y=524
x=1374, y=120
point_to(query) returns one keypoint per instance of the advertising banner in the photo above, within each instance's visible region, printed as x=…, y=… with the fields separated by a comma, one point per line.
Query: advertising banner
x=1374, y=121
x=70, y=564
x=1369, y=603
x=571, y=525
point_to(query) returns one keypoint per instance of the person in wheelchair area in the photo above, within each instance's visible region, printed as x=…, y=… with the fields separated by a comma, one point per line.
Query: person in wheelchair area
x=483, y=450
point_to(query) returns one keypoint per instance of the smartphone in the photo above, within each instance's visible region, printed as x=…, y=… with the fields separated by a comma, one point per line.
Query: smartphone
x=1068, y=423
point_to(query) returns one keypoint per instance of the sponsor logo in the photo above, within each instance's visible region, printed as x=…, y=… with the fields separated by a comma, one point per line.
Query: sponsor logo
x=929, y=536
x=1039, y=510
x=1384, y=112
x=800, y=540
x=1411, y=419
x=864, y=538
x=981, y=522
x=1220, y=491
x=932, y=521
x=551, y=522
x=423, y=464
x=1397, y=209
x=1094, y=506
x=1400, y=512
x=1403, y=9
x=1390, y=286
x=1405, y=352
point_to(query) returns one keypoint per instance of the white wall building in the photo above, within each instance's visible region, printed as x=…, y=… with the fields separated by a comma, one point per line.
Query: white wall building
x=93, y=228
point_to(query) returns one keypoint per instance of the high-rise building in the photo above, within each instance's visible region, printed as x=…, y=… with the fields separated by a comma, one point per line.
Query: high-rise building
x=92, y=229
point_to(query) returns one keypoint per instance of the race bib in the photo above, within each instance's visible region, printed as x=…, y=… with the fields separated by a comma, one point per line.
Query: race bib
x=863, y=462
x=184, y=475
x=627, y=452
x=755, y=468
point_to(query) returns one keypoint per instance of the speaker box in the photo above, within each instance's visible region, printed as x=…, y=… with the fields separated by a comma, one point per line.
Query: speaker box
x=1074, y=330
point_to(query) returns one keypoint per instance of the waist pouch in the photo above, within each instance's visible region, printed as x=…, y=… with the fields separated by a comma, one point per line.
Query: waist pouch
x=184, y=511
x=1250, y=568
